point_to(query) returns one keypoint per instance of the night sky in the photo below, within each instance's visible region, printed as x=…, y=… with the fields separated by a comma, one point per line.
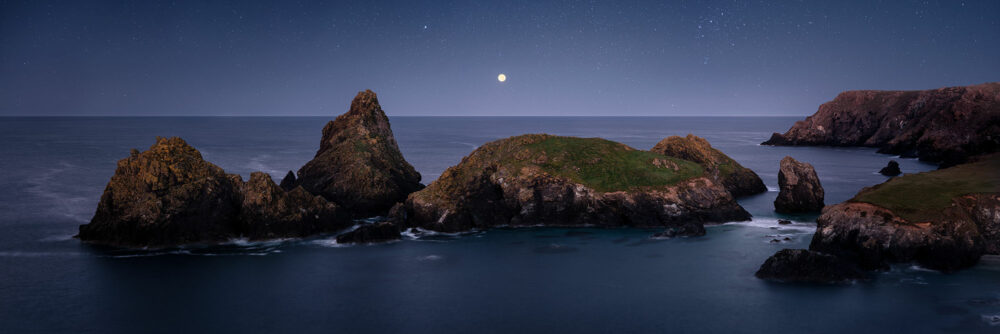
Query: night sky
x=443, y=58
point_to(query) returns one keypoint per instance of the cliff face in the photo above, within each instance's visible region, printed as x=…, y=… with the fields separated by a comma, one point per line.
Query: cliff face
x=358, y=165
x=170, y=196
x=565, y=181
x=943, y=125
x=738, y=180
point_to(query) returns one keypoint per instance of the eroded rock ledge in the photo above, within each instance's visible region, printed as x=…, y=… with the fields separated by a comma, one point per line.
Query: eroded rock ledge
x=945, y=125
x=738, y=180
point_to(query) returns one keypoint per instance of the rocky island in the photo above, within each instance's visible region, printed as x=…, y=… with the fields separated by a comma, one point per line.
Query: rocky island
x=532, y=180
x=799, y=189
x=169, y=195
x=945, y=125
x=943, y=220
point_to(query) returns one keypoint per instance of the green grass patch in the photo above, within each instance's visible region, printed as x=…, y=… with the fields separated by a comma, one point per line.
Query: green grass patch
x=924, y=196
x=604, y=165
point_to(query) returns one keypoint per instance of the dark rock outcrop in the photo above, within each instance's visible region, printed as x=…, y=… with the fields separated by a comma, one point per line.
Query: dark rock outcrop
x=270, y=212
x=371, y=233
x=288, y=183
x=358, y=165
x=799, y=188
x=806, y=266
x=686, y=230
x=738, y=180
x=169, y=196
x=945, y=125
x=534, y=180
x=892, y=169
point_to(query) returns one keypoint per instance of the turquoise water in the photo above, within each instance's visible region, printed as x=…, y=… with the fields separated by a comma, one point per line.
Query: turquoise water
x=520, y=280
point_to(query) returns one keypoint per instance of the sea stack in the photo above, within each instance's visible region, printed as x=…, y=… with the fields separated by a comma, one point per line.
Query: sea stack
x=892, y=169
x=170, y=196
x=358, y=164
x=533, y=180
x=738, y=180
x=799, y=188
x=946, y=125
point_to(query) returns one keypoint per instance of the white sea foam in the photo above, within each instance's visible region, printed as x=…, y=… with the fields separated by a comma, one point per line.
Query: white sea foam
x=431, y=257
x=772, y=223
x=61, y=203
x=772, y=189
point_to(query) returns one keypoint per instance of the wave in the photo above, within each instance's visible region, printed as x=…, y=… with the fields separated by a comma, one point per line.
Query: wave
x=772, y=223
x=772, y=189
x=43, y=185
x=39, y=254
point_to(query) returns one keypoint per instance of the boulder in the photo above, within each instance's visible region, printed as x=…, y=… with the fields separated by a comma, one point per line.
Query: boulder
x=799, y=188
x=946, y=125
x=533, y=180
x=738, y=180
x=686, y=230
x=892, y=169
x=359, y=165
x=169, y=196
x=806, y=266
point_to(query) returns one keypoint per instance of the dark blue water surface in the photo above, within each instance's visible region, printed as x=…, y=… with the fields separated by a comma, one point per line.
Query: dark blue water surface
x=53, y=170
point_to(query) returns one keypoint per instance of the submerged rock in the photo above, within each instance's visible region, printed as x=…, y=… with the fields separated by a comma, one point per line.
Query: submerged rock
x=686, y=230
x=892, y=169
x=169, y=196
x=371, y=233
x=799, y=188
x=738, y=180
x=358, y=165
x=548, y=180
x=947, y=124
x=806, y=266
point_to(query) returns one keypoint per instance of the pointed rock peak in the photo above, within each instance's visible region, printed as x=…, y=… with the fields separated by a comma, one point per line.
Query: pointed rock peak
x=288, y=182
x=172, y=147
x=358, y=164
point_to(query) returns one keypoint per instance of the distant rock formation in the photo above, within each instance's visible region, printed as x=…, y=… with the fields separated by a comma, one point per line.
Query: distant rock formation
x=945, y=125
x=892, y=169
x=738, y=180
x=532, y=180
x=806, y=266
x=943, y=220
x=169, y=196
x=799, y=188
x=358, y=165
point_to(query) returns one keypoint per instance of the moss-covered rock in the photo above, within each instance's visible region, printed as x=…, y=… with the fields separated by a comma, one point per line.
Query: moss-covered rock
x=359, y=165
x=738, y=180
x=566, y=181
x=169, y=196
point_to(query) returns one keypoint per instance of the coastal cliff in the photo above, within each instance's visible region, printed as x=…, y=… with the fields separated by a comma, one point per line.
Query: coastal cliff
x=532, y=180
x=358, y=164
x=943, y=220
x=946, y=125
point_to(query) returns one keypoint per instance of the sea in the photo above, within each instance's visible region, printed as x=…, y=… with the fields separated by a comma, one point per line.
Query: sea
x=526, y=280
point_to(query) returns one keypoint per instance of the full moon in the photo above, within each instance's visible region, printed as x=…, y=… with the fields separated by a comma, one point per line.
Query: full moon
x=501, y=77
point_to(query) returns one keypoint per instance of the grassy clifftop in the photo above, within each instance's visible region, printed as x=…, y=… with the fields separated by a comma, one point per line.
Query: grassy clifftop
x=924, y=196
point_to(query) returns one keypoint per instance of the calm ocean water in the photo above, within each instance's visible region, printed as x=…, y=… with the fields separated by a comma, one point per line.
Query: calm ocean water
x=53, y=171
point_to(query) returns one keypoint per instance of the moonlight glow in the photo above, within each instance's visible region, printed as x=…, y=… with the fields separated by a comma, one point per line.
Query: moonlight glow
x=501, y=77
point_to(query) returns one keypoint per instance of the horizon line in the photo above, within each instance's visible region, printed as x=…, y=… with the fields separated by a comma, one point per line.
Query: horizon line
x=442, y=116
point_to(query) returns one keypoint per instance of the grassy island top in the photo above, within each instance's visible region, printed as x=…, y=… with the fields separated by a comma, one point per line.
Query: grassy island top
x=599, y=164
x=924, y=196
